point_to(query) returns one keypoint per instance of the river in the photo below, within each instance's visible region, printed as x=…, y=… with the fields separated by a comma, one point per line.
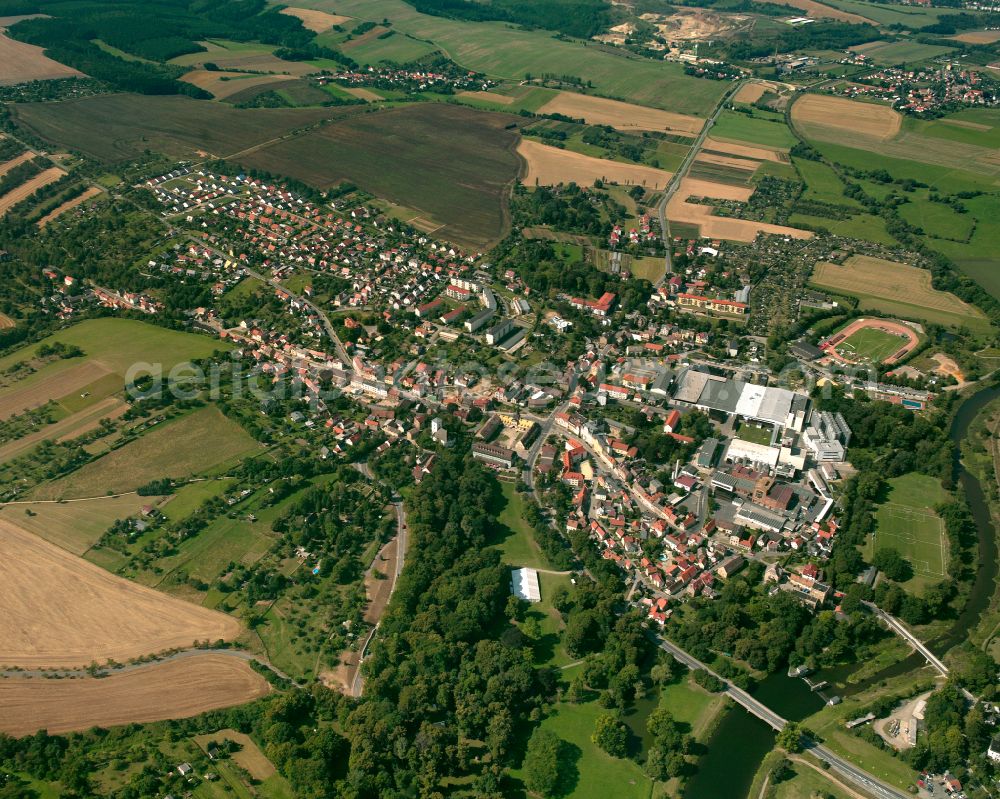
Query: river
x=741, y=741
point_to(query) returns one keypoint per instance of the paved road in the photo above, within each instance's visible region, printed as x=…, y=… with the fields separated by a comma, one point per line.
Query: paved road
x=681, y=173
x=855, y=775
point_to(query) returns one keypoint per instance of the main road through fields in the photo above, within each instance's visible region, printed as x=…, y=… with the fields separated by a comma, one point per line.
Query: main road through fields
x=681, y=173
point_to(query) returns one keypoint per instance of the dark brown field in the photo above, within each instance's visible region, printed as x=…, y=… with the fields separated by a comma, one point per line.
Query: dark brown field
x=451, y=163
x=116, y=127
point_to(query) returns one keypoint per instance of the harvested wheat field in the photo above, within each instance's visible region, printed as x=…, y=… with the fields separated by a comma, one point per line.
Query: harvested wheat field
x=59, y=610
x=58, y=211
x=174, y=690
x=315, y=21
x=6, y=322
x=17, y=160
x=863, y=275
x=831, y=118
x=363, y=94
x=691, y=187
x=748, y=164
x=750, y=93
x=26, y=189
x=490, y=97
x=978, y=37
x=624, y=116
x=20, y=62
x=225, y=84
x=716, y=227
x=744, y=150
x=549, y=166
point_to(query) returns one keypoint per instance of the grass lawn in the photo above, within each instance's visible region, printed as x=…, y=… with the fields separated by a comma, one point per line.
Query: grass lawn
x=805, y=783
x=938, y=220
x=758, y=435
x=178, y=448
x=120, y=343
x=756, y=130
x=907, y=523
x=190, y=497
x=648, y=267
x=822, y=183
x=75, y=526
x=691, y=704
x=110, y=346
x=592, y=774
x=517, y=543
x=549, y=649
x=954, y=127
x=859, y=226
x=828, y=724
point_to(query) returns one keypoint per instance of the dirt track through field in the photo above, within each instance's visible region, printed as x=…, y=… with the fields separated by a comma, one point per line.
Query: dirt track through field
x=550, y=166
x=25, y=190
x=624, y=116
x=173, y=690
x=55, y=213
x=59, y=610
x=836, y=117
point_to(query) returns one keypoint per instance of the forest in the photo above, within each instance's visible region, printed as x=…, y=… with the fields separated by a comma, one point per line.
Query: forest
x=581, y=18
x=152, y=30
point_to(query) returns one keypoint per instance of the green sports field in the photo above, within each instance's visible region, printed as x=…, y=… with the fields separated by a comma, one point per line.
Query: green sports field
x=908, y=523
x=870, y=345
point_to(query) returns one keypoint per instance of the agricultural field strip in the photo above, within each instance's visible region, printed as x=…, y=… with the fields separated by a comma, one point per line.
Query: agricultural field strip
x=174, y=689
x=551, y=165
x=25, y=190
x=909, y=284
x=59, y=610
x=59, y=210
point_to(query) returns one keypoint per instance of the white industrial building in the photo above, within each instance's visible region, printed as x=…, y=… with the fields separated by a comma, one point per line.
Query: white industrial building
x=524, y=585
